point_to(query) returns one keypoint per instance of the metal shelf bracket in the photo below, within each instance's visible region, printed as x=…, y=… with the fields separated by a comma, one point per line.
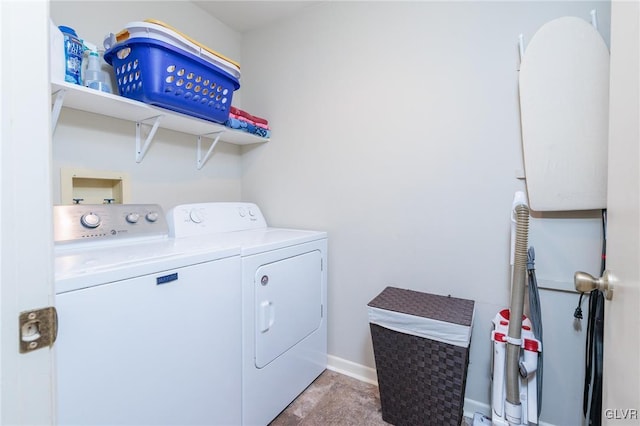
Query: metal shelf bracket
x=200, y=160
x=141, y=148
x=57, y=107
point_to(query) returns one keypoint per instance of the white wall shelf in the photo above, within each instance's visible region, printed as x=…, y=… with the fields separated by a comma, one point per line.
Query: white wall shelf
x=84, y=99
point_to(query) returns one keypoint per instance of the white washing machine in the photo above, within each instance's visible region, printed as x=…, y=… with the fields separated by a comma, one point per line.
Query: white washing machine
x=284, y=300
x=149, y=328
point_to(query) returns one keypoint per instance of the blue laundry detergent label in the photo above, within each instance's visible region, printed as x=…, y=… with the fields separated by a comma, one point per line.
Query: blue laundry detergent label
x=73, y=50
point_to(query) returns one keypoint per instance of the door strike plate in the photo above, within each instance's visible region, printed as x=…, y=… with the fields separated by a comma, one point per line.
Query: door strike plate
x=38, y=329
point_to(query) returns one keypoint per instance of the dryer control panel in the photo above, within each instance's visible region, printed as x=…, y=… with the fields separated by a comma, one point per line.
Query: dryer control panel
x=190, y=220
x=101, y=222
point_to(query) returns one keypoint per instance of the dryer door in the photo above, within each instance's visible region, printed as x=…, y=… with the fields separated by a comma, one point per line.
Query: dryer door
x=288, y=303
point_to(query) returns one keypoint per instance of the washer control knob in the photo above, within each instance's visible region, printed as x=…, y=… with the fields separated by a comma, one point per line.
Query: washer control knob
x=152, y=216
x=132, y=217
x=90, y=220
x=242, y=212
x=195, y=216
x=251, y=212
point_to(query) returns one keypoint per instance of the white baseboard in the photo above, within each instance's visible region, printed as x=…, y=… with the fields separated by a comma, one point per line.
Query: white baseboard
x=351, y=369
x=368, y=375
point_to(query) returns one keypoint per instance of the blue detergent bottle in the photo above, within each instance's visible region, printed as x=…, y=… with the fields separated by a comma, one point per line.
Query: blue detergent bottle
x=73, y=52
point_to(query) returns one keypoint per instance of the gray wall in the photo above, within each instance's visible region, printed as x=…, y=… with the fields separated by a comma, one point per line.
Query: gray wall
x=396, y=129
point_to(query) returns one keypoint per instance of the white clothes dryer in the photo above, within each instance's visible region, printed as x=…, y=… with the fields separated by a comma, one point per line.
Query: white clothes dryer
x=149, y=327
x=284, y=300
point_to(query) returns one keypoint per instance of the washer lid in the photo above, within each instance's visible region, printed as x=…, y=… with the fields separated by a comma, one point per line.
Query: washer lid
x=77, y=268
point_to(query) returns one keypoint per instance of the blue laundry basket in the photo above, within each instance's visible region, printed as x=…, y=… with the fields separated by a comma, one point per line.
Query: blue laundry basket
x=157, y=73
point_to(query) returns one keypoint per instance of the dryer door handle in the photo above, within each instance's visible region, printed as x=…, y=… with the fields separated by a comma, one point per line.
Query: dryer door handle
x=266, y=316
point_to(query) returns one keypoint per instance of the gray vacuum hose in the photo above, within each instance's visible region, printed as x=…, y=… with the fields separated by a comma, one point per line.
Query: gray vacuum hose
x=535, y=314
x=518, y=287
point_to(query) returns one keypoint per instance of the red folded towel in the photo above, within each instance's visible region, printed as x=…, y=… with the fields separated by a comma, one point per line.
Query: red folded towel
x=248, y=116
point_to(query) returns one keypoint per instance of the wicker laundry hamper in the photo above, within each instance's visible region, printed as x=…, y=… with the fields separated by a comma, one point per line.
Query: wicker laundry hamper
x=421, y=348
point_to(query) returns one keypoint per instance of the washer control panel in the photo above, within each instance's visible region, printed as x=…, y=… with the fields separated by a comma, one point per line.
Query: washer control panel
x=189, y=220
x=96, y=222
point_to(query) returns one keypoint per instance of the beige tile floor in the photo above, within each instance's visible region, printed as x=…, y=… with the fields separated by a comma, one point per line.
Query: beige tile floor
x=336, y=400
